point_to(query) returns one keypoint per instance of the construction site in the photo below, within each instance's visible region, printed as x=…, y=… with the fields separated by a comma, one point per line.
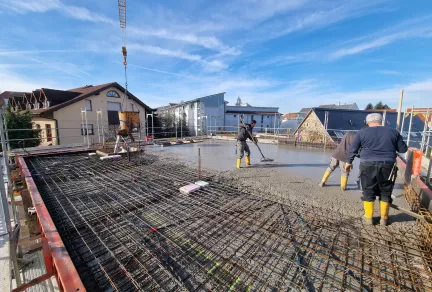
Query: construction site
x=98, y=203
x=124, y=224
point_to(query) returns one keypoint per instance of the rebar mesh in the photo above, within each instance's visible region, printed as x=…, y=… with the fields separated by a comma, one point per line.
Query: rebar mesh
x=127, y=227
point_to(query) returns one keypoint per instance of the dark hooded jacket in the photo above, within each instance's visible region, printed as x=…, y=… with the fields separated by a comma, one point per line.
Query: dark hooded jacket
x=243, y=133
x=341, y=152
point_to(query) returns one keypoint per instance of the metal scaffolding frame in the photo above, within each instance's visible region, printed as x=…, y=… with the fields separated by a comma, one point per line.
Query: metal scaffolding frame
x=127, y=227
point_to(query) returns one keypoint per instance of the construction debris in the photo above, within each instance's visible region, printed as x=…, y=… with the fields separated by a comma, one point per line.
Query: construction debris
x=190, y=188
x=202, y=183
x=127, y=235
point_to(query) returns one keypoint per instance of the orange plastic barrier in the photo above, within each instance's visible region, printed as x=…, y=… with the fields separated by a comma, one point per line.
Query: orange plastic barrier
x=417, y=159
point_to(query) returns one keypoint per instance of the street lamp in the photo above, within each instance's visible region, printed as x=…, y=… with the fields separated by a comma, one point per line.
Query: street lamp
x=152, y=126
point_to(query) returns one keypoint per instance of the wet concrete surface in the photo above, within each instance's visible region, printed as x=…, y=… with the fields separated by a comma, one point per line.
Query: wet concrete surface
x=294, y=174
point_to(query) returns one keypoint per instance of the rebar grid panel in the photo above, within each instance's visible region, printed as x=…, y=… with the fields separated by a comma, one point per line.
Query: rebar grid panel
x=127, y=227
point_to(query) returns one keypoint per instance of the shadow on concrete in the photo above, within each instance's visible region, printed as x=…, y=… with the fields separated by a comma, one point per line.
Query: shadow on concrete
x=207, y=145
x=401, y=217
x=270, y=165
x=307, y=165
x=351, y=186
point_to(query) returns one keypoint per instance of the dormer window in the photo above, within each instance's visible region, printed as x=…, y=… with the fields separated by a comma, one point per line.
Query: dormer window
x=112, y=93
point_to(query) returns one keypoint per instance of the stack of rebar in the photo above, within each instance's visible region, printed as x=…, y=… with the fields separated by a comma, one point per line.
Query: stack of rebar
x=127, y=227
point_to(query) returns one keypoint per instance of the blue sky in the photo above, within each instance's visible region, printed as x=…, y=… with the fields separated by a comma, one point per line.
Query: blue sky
x=291, y=54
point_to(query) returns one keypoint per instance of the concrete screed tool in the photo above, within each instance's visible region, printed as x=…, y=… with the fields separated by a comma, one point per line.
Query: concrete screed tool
x=263, y=159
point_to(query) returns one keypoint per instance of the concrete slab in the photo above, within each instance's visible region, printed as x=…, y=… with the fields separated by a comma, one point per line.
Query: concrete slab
x=308, y=163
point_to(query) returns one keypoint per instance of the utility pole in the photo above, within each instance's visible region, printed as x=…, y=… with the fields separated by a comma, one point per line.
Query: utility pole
x=399, y=111
x=409, y=126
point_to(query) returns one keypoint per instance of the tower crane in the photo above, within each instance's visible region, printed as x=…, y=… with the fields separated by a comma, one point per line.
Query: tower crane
x=128, y=120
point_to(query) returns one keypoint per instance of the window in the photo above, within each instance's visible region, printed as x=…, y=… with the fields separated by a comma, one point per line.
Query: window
x=112, y=93
x=268, y=117
x=252, y=118
x=113, y=106
x=339, y=134
x=88, y=105
x=48, y=132
x=132, y=107
x=89, y=129
x=235, y=116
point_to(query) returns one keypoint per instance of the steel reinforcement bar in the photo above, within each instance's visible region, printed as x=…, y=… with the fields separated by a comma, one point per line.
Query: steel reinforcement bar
x=127, y=227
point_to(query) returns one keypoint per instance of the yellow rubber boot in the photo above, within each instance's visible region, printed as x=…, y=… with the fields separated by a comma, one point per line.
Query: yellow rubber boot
x=238, y=162
x=247, y=158
x=384, y=210
x=368, y=212
x=344, y=182
x=324, y=178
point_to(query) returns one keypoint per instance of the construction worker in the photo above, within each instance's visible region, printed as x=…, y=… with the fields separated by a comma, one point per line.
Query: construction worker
x=379, y=146
x=242, y=147
x=339, y=158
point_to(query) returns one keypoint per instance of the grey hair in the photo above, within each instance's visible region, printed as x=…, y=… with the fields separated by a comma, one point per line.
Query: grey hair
x=375, y=117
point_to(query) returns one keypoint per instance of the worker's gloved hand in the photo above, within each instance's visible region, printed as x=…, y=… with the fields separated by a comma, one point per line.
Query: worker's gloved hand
x=348, y=167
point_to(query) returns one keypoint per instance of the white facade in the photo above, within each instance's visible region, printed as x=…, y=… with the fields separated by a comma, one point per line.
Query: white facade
x=267, y=118
x=203, y=115
x=211, y=113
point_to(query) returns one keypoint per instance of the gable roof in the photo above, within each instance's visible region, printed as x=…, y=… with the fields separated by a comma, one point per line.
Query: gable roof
x=352, y=106
x=71, y=96
x=57, y=97
x=353, y=120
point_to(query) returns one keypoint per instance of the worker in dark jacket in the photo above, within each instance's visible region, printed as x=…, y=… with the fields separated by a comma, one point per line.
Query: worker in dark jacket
x=338, y=159
x=242, y=147
x=377, y=164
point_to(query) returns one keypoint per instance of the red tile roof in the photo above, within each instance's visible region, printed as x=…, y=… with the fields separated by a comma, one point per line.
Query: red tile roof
x=90, y=90
x=290, y=116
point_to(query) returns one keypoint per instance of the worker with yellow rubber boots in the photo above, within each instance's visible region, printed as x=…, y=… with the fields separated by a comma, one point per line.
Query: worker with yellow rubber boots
x=379, y=146
x=242, y=147
x=339, y=158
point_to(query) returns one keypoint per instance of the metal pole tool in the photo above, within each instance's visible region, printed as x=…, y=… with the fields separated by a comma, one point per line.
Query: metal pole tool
x=263, y=159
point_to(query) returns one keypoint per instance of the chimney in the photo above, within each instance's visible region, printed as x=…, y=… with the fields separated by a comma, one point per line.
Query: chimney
x=339, y=103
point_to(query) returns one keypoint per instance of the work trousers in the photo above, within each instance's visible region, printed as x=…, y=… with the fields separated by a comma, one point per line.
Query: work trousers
x=334, y=163
x=242, y=147
x=376, y=180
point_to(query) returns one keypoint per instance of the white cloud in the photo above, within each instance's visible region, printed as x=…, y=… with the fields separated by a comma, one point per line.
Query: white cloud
x=209, y=42
x=158, y=71
x=312, y=15
x=389, y=72
x=214, y=65
x=80, y=13
x=24, y=6
x=11, y=81
x=164, y=52
x=33, y=52
x=413, y=28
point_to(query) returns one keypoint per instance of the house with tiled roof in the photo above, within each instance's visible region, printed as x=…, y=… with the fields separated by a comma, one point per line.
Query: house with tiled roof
x=58, y=113
x=327, y=124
